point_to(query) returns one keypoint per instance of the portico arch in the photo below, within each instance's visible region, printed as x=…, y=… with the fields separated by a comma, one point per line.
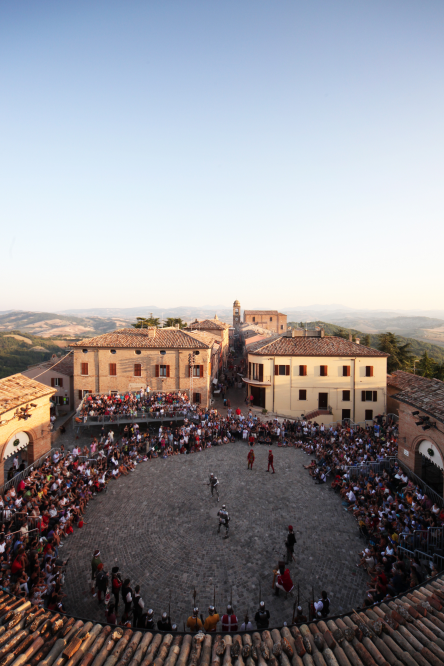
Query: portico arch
x=429, y=462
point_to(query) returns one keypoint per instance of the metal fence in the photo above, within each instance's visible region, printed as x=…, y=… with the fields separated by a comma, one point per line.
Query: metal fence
x=26, y=472
x=431, y=494
x=136, y=417
x=378, y=466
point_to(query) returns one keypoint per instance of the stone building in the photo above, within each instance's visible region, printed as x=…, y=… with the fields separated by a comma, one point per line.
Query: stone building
x=217, y=328
x=317, y=376
x=419, y=403
x=58, y=373
x=272, y=320
x=24, y=418
x=165, y=359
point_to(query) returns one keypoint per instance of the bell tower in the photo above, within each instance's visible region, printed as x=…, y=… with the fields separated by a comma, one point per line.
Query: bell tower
x=236, y=313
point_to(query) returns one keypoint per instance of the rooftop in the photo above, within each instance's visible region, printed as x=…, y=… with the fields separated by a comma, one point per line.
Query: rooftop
x=281, y=345
x=138, y=338
x=17, y=390
x=215, y=324
x=65, y=366
x=263, y=312
x=422, y=393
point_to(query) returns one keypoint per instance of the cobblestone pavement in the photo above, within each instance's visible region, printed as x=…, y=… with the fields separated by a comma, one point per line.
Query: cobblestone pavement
x=159, y=526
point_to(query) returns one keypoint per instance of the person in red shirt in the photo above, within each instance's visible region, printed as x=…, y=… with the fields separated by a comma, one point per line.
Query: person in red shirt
x=270, y=461
x=229, y=620
x=250, y=458
x=284, y=581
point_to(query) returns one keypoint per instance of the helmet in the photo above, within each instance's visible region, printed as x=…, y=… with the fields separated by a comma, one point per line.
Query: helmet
x=229, y=609
x=150, y=612
x=223, y=506
x=211, y=610
x=174, y=627
x=262, y=605
x=195, y=610
x=211, y=474
x=164, y=616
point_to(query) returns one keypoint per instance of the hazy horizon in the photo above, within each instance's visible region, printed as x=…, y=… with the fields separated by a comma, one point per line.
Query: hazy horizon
x=183, y=152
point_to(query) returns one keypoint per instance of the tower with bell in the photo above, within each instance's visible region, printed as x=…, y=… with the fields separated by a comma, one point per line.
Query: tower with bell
x=236, y=313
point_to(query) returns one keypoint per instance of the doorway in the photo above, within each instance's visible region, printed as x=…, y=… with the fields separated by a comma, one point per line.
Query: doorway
x=323, y=401
x=258, y=394
x=346, y=414
x=431, y=475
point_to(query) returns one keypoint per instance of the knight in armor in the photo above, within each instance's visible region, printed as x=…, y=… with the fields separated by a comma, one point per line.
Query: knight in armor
x=229, y=620
x=262, y=617
x=212, y=620
x=147, y=620
x=213, y=485
x=194, y=623
x=164, y=624
x=224, y=519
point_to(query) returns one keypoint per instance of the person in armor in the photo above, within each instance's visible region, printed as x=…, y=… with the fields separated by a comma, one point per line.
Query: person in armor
x=322, y=607
x=224, y=519
x=229, y=620
x=213, y=485
x=164, y=624
x=212, y=620
x=147, y=620
x=262, y=617
x=193, y=622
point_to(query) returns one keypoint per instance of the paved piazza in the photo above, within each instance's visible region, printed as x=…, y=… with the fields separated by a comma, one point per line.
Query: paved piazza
x=159, y=526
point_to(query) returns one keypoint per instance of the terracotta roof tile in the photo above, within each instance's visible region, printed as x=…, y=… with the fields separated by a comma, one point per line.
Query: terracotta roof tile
x=313, y=346
x=208, y=323
x=164, y=338
x=424, y=394
x=64, y=367
x=263, y=312
x=17, y=390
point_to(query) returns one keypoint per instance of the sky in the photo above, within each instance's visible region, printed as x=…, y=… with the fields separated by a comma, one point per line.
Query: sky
x=185, y=152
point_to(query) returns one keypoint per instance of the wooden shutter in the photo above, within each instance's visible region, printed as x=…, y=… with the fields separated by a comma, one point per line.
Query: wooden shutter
x=157, y=370
x=201, y=371
x=303, y=370
x=261, y=372
x=137, y=370
x=346, y=371
x=363, y=396
x=287, y=369
x=84, y=369
x=52, y=381
x=375, y=396
x=276, y=369
x=112, y=369
x=371, y=371
x=80, y=394
x=249, y=370
x=60, y=381
x=167, y=370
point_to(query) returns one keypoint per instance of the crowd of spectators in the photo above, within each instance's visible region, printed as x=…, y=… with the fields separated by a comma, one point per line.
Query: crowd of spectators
x=390, y=509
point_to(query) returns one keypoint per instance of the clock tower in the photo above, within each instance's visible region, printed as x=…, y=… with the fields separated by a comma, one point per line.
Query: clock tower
x=236, y=314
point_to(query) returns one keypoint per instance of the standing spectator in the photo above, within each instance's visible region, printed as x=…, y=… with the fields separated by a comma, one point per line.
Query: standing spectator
x=101, y=582
x=94, y=567
x=127, y=597
x=116, y=585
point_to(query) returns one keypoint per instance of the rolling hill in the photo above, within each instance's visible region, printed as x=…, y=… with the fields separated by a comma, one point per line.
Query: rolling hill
x=18, y=352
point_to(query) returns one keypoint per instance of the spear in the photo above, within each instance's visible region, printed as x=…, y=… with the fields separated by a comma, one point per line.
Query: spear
x=260, y=593
x=169, y=608
x=194, y=597
x=214, y=597
x=231, y=596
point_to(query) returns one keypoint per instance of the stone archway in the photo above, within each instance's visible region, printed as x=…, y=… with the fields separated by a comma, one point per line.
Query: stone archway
x=429, y=463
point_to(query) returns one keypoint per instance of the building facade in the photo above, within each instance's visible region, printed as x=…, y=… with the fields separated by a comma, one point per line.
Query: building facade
x=58, y=373
x=219, y=330
x=419, y=403
x=24, y=418
x=236, y=314
x=163, y=359
x=272, y=320
x=337, y=379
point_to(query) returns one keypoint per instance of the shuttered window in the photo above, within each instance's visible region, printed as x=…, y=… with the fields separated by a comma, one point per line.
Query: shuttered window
x=346, y=371
x=112, y=369
x=302, y=370
x=369, y=371
x=137, y=370
x=281, y=369
x=164, y=370
x=345, y=396
x=84, y=368
x=324, y=370
x=302, y=394
x=369, y=396
x=369, y=415
x=196, y=398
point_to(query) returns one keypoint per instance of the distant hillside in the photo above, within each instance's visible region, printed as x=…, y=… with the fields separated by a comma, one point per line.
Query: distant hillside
x=18, y=351
x=417, y=347
x=48, y=324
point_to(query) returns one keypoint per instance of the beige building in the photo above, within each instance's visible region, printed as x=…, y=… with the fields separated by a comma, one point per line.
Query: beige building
x=296, y=375
x=165, y=359
x=272, y=320
x=219, y=329
x=58, y=373
x=24, y=418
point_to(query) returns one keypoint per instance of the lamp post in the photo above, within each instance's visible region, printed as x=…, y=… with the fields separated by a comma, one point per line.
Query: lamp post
x=191, y=358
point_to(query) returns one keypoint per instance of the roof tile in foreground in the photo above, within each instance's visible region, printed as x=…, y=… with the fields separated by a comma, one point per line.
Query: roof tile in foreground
x=138, y=338
x=17, y=389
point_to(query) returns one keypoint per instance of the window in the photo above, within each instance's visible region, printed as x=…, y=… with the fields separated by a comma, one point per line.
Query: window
x=198, y=371
x=196, y=398
x=137, y=370
x=83, y=393
x=258, y=371
x=164, y=371
x=84, y=368
x=302, y=370
x=254, y=318
x=346, y=371
x=138, y=352
x=369, y=396
x=56, y=381
x=271, y=318
x=85, y=351
x=281, y=369
x=113, y=369
x=369, y=415
x=61, y=400
x=302, y=394
x=324, y=371
x=345, y=396
x=369, y=371
x=113, y=351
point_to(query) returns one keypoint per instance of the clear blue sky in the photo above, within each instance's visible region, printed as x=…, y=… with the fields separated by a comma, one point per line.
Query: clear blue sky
x=184, y=152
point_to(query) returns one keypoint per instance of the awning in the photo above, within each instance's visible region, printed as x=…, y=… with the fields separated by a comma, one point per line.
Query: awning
x=255, y=382
x=18, y=441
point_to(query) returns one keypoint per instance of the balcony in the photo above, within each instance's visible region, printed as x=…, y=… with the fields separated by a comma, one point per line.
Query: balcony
x=265, y=381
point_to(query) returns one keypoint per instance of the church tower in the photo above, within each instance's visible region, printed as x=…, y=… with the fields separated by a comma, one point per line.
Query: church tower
x=236, y=313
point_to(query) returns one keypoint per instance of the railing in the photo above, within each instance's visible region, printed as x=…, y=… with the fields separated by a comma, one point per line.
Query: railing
x=25, y=473
x=143, y=417
x=378, y=466
x=431, y=494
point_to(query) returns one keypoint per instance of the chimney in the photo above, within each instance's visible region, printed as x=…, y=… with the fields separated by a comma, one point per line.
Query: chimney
x=176, y=325
x=350, y=337
x=322, y=332
x=151, y=331
x=358, y=341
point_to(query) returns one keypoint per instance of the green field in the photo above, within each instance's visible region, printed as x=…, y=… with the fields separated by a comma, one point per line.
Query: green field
x=18, y=355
